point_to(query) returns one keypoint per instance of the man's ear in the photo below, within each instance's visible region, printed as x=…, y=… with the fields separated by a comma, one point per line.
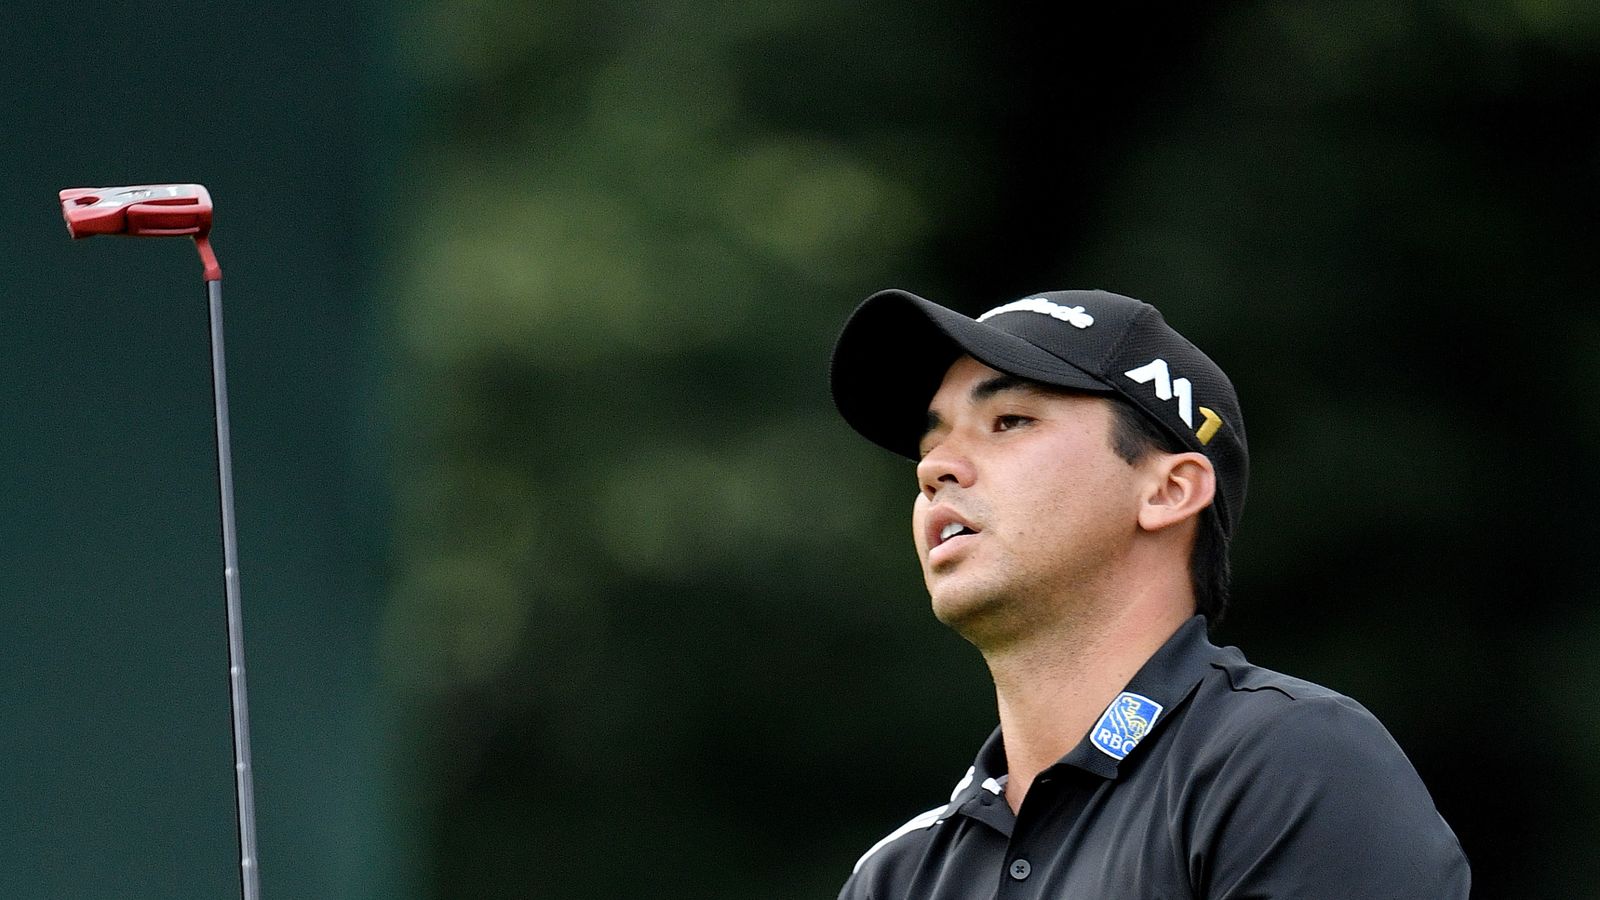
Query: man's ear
x=1179, y=487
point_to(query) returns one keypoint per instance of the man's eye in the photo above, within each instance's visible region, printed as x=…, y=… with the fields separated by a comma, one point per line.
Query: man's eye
x=1006, y=423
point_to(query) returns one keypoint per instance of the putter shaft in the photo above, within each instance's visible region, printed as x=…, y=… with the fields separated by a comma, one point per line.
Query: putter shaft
x=249, y=877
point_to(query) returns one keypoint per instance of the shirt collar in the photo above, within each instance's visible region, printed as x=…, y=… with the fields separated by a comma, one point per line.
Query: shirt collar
x=980, y=794
x=1168, y=677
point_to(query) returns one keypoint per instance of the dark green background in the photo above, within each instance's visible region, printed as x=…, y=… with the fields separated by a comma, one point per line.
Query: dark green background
x=561, y=578
x=115, y=762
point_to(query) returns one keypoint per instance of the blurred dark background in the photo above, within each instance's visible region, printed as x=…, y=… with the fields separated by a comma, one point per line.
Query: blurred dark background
x=561, y=577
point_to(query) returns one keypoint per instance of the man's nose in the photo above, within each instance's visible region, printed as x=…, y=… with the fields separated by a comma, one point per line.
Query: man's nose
x=946, y=464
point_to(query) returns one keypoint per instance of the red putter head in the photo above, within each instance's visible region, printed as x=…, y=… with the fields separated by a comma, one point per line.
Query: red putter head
x=143, y=210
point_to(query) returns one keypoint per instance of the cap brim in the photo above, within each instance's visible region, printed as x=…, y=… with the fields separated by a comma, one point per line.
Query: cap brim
x=894, y=352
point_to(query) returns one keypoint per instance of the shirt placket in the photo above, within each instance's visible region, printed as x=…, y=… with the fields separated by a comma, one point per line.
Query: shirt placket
x=1056, y=801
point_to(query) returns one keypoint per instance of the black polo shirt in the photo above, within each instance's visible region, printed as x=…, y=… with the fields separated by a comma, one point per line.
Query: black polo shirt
x=1234, y=782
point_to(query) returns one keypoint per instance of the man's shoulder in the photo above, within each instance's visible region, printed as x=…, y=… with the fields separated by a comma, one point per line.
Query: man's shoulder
x=1266, y=714
x=1248, y=725
x=1241, y=676
x=895, y=854
x=909, y=841
x=1271, y=760
x=903, y=836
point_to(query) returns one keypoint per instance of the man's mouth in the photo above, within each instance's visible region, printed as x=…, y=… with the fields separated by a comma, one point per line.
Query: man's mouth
x=952, y=530
x=944, y=527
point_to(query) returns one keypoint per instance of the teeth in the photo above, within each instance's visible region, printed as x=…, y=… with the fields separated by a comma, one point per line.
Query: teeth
x=951, y=530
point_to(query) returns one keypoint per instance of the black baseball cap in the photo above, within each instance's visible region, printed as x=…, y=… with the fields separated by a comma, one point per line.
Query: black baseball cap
x=894, y=351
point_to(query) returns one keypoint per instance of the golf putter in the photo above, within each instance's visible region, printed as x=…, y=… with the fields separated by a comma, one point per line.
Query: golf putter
x=184, y=210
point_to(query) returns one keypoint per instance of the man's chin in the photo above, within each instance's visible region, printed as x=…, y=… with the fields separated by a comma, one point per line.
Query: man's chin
x=964, y=607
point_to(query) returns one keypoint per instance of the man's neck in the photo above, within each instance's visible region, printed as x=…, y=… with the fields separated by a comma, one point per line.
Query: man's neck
x=1054, y=687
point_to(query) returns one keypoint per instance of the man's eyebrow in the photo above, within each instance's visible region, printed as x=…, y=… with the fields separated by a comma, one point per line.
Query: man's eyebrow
x=1000, y=384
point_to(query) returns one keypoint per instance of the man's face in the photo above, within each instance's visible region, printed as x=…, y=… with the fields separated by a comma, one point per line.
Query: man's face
x=1022, y=503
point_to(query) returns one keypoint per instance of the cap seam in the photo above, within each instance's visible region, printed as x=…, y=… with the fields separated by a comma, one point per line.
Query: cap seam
x=1116, y=346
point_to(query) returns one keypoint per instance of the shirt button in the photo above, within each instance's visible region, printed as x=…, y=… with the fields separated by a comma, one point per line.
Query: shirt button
x=1020, y=869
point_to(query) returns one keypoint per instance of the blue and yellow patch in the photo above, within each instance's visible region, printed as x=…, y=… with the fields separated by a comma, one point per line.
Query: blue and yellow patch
x=1125, y=722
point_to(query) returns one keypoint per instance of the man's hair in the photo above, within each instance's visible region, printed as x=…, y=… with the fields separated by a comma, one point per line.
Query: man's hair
x=1133, y=436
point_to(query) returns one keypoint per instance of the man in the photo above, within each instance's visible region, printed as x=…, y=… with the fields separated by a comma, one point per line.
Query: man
x=1081, y=469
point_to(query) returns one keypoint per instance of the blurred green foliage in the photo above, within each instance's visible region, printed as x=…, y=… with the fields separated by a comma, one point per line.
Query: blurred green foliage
x=654, y=617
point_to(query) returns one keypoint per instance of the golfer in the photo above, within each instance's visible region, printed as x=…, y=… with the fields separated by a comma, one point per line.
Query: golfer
x=1081, y=468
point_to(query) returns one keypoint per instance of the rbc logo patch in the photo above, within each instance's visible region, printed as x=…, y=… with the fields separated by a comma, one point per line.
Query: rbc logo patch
x=1126, y=721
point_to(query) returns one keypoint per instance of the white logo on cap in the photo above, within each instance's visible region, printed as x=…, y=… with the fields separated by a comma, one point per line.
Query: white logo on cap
x=1168, y=387
x=1156, y=370
x=1072, y=315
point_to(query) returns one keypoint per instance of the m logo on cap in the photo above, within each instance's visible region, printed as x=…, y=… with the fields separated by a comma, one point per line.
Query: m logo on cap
x=1168, y=387
x=1072, y=315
